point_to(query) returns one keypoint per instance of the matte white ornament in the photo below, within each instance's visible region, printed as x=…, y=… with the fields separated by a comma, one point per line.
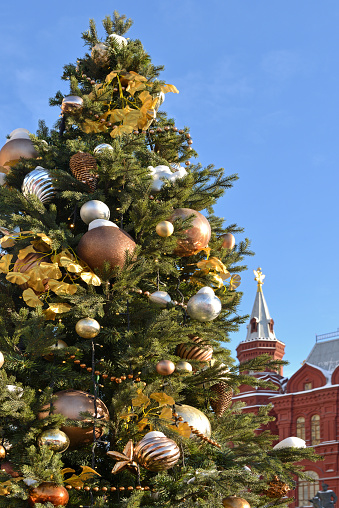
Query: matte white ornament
x=161, y=298
x=119, y=40
x=20, y=132
x=97, y=223
x=161, y=173
x=290, y=442
x=94, y=209
x=204, y=306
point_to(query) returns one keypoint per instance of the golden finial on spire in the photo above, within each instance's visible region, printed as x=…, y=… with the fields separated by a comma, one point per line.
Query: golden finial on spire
x=259, y=277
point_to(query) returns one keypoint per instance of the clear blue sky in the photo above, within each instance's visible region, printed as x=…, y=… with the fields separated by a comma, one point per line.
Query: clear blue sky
x=258, y=85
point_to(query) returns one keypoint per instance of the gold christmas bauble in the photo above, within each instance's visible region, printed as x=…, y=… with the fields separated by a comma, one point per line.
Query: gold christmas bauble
x=235, y=502
x=164, y=228
x=48, y=492
x=87, y=328
x=71, y=403
x=16, y=148
x=156, y=452
x=2, y=452
x=228, y=241
x=202, y=352
x=183, y=366
x=2, y=359
x=195, y=418
x=60, y=344
x=55, y=439
x=105, y=244
x=196, y=236
x=165, y=367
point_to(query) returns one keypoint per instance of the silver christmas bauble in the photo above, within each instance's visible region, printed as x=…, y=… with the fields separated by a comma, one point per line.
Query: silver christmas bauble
x=94, y=209
x=97, y=223
x=183, y=366
x=55, y=439
x=161, y=298
x=195, y=418
x=156, y=452
x=100, y=148
x=87, y=328
x=71, y=103
x=204, y=306
x=39, y=183
x=20, y=132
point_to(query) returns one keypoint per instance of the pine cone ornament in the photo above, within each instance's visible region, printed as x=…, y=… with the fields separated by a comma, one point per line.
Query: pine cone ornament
x=221, y=398
x=84, y=167
x=277, y=488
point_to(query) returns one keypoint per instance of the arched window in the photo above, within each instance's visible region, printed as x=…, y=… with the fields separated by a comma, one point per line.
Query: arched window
x=301, y=427
x=307, y=490
x=271, y=324
x=254, y=325
x=315, y=430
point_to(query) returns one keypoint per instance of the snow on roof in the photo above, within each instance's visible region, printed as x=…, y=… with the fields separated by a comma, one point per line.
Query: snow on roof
x=325, y=355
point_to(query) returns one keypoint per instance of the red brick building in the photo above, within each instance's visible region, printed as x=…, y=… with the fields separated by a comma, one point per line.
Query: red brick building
x=306, y=405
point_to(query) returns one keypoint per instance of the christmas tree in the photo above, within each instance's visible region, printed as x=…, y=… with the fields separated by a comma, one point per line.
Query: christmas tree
x=118, y=289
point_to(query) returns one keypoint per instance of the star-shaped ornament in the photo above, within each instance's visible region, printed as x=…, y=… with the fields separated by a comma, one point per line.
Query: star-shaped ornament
x=125, y=459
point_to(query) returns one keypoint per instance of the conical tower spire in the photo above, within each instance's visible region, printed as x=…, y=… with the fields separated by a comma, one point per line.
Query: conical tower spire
x=261, y=323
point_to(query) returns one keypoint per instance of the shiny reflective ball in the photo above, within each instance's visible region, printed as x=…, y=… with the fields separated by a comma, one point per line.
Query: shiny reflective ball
x=161, y=298
x=2, y=452
x=228, y=241
x=235, y=502
x=164, y=228
x=105, y=244
x=48, y=492
x=97, y=223
x=16, y=148
x=156, y=452
x=40, y=184
x=2, y=359
x=195, y=418
x=196, y=236
x=71, y=404
x=55, y=439
x=100, y=148
x=71, y=103
x=60, y=344
x=204, y=306
x=183, y=366
x=87, y=328
x=94, y=209
x=165, y=367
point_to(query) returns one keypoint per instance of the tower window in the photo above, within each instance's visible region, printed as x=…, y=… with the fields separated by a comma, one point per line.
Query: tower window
x=271, y=324
x=254, y=325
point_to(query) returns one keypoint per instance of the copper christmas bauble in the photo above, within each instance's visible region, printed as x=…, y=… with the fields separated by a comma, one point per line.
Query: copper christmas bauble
x=235, y=502
x=71, y=403
x=48, y=492
x=55, y=439
x=195, y=418
x=196, y=237
x=156, y=452
x=16, y=148
x=71, y=103
x=2, y=452
x=165, y=367
x=87, y=328
x=105, y=244
x=164, y=228
x=228, y=241
x=201, y=352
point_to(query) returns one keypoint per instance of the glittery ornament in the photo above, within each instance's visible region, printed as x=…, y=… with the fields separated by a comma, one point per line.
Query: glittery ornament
x=221, y=398
x=84, y=168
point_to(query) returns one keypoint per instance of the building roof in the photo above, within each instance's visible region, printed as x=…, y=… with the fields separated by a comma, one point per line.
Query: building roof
x=325, y=355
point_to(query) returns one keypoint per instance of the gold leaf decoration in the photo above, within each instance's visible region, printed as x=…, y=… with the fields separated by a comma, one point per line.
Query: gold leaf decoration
x=166, y=413
x=162, y=398
x=62, y=288
x=5, y=262
x=87, y=473
x=50, y=270
x=49, y=314
x=7, y=241
x=142, y=424
x=59, y=308
x=140, y=400
x=169, y=88
x=23, y=252
x=91, y=278
x=17, y=277
x=183, y=429
x=31, y=298
x=120, y=130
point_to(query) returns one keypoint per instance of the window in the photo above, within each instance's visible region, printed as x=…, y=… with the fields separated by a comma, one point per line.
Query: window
x=301, y=427
x=308, y=386
x=271, y=324
x=315, y=430
x=307, y=490
x=254, y=325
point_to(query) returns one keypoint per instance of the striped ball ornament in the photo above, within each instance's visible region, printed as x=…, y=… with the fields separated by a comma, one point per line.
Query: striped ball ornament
x=201, y=352
x=156, y=452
